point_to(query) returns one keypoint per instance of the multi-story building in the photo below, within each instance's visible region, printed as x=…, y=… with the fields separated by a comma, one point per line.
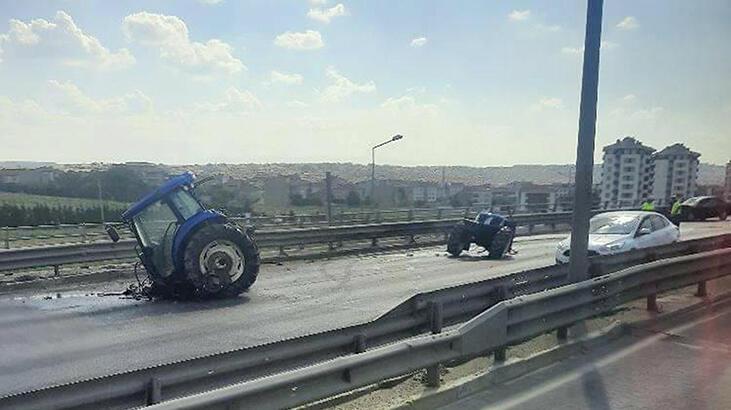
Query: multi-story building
x=676, y=173
x=727, y=189
x=627, y=173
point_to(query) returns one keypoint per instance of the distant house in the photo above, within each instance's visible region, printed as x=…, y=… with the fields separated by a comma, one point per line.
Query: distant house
x=478, y=195
x=425, y=192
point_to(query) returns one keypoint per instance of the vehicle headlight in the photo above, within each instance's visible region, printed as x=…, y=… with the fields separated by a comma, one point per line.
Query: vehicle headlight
x=613, y=247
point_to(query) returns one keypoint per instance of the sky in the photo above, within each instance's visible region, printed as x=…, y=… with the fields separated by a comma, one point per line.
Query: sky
x=480, y=83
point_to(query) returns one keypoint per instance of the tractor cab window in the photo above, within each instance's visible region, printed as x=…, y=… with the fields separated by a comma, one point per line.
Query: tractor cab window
x=184, y=202
x=156, y=224
x=487, y=218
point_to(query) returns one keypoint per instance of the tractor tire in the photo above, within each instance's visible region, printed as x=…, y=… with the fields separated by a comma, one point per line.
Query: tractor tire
x=459, y=240
x=500, y=243
x=220, y=260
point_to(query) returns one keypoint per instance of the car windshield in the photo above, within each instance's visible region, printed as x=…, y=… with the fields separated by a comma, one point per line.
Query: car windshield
x=615, y=224
x=693, y=201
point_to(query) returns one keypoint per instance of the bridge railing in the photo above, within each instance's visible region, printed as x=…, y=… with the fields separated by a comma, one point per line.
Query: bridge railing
x=277, y=240
x=36, y=235
x=492, y=314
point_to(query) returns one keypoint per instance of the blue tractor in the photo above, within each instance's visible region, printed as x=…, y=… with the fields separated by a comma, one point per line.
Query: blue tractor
x=187, y=250
x=493, y=232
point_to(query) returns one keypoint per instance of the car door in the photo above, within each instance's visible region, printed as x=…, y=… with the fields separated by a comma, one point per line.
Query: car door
x=663, y=230
x=645, y=235
x=708, y=207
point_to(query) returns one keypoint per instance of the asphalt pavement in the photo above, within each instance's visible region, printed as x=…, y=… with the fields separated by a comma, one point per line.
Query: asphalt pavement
x=685, y=367
x=47, y=340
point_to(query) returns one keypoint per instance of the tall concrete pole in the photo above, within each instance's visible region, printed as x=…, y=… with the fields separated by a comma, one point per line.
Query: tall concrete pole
x=579, y=264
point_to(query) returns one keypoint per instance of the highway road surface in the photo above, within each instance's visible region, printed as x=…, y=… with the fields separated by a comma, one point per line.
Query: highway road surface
x=686, y=367
x=47, y=340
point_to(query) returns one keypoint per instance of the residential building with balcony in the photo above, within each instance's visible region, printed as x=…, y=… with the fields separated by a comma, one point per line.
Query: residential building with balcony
x=676, y=174
x=627, y=174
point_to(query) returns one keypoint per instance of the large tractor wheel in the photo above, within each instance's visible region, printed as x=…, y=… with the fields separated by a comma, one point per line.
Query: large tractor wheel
x=459, y=240
x=501, y=243
x=221, y=260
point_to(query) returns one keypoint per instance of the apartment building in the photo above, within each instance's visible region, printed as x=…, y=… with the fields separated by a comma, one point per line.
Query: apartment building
x=627, y=173
x=676, y=173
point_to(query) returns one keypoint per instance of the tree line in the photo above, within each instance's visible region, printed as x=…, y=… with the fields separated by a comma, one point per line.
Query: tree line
x=117, y=184
x=41, y=214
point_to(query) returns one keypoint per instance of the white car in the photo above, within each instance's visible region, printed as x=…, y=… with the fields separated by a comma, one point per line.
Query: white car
x=622, y=231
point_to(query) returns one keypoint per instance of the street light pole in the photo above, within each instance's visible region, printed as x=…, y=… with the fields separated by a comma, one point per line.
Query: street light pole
x=579, y=261
x=373, y=164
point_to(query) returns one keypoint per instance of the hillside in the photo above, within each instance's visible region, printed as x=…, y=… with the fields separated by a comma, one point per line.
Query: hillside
x=540, y=174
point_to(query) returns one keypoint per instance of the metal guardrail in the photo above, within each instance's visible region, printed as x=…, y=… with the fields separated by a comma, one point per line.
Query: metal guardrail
x=416, y=315
x=57, y=255
x=88, y=232
x=507, y=323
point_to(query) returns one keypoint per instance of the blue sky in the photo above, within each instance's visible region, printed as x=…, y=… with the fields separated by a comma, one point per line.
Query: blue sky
x=468, y=83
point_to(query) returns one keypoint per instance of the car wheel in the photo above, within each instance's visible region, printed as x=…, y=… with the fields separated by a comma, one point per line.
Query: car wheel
x=722, y=215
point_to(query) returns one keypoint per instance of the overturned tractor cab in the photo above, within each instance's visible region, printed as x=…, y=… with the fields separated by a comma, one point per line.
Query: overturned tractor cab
x=493, y=232
x=186, y=249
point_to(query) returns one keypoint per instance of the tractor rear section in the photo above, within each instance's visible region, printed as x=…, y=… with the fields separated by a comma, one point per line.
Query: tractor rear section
x=187, y=250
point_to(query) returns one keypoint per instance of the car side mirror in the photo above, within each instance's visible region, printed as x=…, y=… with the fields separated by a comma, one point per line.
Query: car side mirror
x=644, y=231
x=112, y=232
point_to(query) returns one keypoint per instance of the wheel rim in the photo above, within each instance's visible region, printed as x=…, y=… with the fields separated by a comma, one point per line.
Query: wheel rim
x=222, y=260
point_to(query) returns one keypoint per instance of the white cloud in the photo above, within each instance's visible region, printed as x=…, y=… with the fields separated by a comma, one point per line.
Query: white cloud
x=210, y=2
x=551, y=28
x=418, y=42
x=325, y=15
x=170, y=35
x=608, y=45
x=628, y=23
x=284, y=78
x=647, y=114
x=318, y=2
x=519, y=15
x=627, y=108
x=548, y=103
x=605, y=45
x=70, y=99
x=572, y=50
x=307, y=40
x=341, y=87
x=20, y=110
x=407, y=104
x=297, y=104
x=60, y=39
x=234, y=101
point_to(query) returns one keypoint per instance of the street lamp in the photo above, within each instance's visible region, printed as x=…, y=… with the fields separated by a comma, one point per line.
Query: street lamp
x=373, y=163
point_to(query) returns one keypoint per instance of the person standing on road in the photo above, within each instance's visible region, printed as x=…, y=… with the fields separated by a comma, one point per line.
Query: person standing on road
x=648, y=205
x=675, y=211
